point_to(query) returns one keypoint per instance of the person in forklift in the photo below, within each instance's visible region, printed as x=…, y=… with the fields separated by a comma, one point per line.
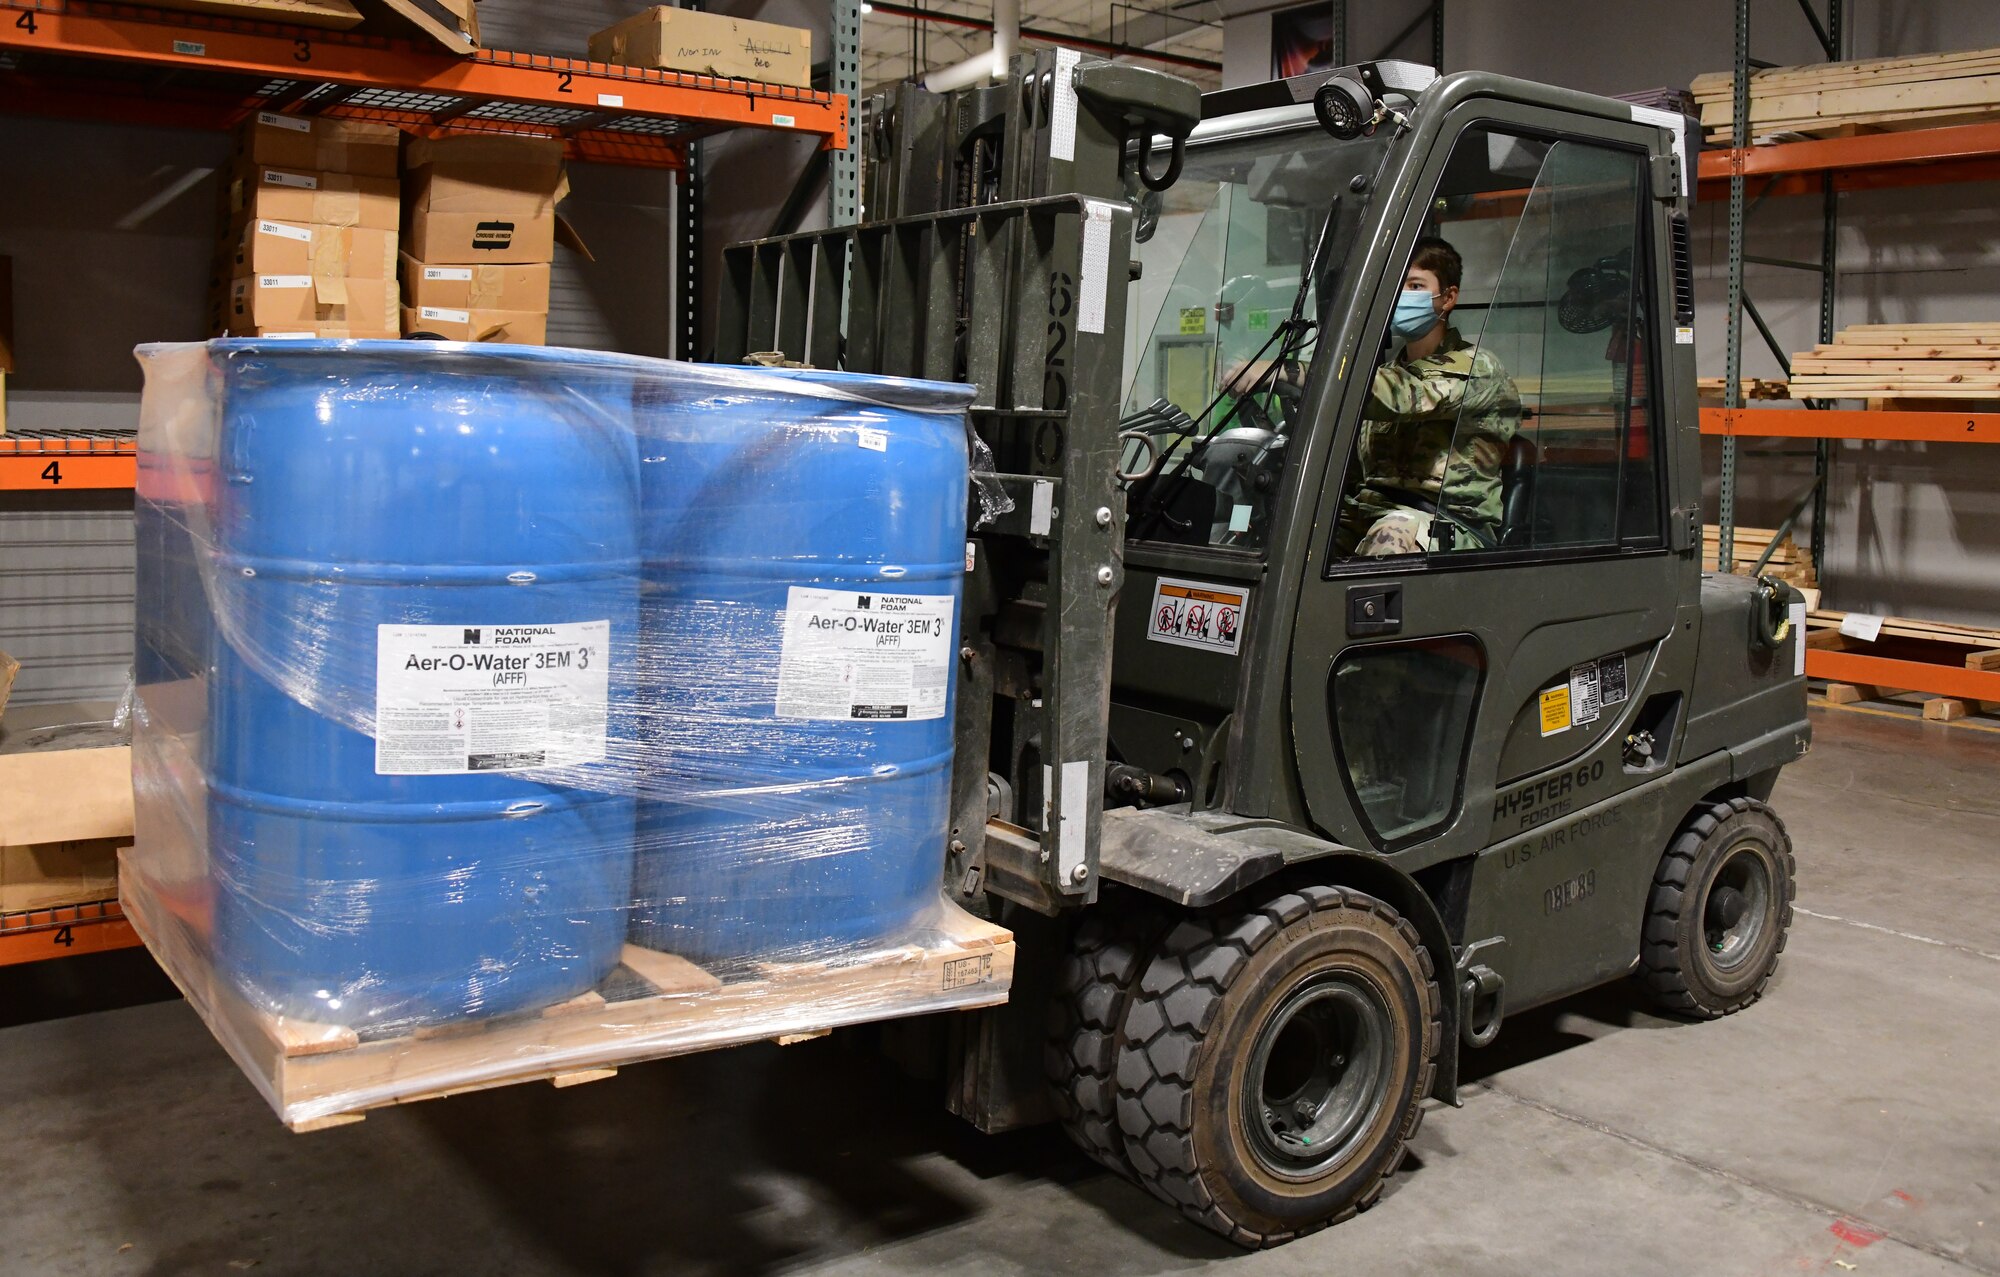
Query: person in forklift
x=1439, y=418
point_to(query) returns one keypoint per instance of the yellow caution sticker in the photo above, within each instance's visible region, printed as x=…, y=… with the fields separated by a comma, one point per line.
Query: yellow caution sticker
x=1194, y=320
x=1555, y=710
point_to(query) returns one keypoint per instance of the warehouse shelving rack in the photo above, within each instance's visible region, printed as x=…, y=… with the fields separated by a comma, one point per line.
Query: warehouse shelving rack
x=126, y=64
x=1827, y=167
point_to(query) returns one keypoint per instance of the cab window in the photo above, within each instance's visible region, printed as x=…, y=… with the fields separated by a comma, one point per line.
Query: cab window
x=1508, y=413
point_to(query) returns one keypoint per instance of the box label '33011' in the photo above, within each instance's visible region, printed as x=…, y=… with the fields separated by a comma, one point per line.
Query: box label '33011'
x=452, y=699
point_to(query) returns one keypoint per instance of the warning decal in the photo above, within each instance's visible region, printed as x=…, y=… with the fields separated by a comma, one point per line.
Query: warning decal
x=1197, y=614
x=1555, y=710
x=451, y=699
x=850, y=655
x=1585, y=701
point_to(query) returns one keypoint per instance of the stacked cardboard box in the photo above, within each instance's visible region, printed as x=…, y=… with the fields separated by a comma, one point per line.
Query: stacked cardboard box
x=674, y=39
x=481, y=236
x=309, y=231
x=65, y=802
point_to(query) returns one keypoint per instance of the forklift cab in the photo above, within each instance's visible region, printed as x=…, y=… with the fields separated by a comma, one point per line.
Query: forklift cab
x=1385, y=701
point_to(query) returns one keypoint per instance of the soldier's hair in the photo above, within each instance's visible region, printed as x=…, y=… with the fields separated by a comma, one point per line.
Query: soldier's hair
x=1440, y=259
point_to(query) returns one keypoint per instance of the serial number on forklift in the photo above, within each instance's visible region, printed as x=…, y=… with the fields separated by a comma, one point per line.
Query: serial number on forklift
x=1570, y=892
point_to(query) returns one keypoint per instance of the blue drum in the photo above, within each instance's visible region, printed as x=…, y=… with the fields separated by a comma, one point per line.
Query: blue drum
x=804, y=542
x=422, y=580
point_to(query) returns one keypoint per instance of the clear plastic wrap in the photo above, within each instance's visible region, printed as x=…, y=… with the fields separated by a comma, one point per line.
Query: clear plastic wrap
x=510, y=712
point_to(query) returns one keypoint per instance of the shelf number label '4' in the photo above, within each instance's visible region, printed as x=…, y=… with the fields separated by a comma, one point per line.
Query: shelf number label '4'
x=52, y=472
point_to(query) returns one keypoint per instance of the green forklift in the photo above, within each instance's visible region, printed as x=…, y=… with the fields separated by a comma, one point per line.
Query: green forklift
x=1287, y=813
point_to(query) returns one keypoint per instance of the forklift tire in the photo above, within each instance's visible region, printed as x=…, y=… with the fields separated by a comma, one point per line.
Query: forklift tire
x=1720, y=908
x=1314, y=1016
x=1107, y=953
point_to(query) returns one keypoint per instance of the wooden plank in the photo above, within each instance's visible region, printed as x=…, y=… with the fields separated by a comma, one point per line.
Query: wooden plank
x=563, y=1080
x=1944, y=709
x=669, y=973
x=1848, y=693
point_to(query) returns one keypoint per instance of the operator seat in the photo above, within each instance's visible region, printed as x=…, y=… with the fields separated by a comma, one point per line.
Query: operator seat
x=1517, y=492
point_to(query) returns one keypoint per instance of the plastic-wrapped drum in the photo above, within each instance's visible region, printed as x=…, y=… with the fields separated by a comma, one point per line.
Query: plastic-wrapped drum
x=804, y=541
x=421, y=580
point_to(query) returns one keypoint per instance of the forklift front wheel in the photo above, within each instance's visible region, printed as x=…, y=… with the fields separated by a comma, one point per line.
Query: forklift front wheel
x=1275, y=1062
x=1720, y=908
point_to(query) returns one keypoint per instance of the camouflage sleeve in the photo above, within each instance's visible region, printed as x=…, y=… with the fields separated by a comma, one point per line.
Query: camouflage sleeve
x=1414, y=392
x=1488, y=420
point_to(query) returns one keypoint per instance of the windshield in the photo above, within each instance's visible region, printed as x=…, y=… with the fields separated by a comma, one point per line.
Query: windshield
x=1224, y=325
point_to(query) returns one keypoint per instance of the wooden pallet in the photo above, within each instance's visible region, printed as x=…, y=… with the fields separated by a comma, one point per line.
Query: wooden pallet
x=653, y=1006
x=1948, y=660
x=1947, y=363
x=1830, y=99
x=1711, y=388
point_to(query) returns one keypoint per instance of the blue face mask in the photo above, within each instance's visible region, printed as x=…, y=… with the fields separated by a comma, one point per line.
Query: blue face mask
x=1416, y=314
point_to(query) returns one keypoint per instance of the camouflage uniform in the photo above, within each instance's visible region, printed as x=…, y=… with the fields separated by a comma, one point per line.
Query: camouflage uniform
x=1414, y=408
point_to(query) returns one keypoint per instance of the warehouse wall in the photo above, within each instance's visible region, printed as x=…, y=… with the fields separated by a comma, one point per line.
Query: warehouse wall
x=1913, y=529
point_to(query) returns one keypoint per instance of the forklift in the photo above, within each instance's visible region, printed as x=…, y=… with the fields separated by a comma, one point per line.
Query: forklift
x=1283, y=828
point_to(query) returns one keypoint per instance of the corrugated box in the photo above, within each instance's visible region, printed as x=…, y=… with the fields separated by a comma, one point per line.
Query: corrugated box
x=328, y=331
x=520, y=327
x=673, y=39
x=316, y=143
x=323, y=199
x=336, y=15
x=51, y=875
x=452, y=24
x=484, y=199
x=291, y=303
x=9, y=667
x=265, y=247
x=519, y=286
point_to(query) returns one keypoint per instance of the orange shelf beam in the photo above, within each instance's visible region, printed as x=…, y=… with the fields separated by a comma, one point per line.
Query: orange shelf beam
x=40, y=934
x=123, y=34
x=1868, y=161
x=1914, y=676
x=1838, y=423
x=43, y=463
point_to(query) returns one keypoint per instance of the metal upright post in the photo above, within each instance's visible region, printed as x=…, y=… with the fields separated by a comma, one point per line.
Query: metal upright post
x=1340, y=33
x=847, y=81
x=1829, y=245
x=1732, y=383
x=1437, y=35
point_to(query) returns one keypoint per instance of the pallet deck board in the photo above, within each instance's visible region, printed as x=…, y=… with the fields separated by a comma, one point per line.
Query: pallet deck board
x=320, y=1075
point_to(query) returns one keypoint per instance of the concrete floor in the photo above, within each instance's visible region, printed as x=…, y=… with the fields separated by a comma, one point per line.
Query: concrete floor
x=1849, y=1123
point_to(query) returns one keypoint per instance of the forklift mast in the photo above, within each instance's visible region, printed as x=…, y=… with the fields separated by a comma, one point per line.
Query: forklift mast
x=998, y=253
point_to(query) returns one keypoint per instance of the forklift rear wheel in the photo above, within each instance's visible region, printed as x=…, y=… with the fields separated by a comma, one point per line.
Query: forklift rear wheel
x=1720, y=908
x=1106, y=955
x=1275, y=1062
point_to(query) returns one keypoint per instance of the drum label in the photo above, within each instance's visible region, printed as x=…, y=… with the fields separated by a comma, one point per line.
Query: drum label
x=453, y=699
x=849, y=655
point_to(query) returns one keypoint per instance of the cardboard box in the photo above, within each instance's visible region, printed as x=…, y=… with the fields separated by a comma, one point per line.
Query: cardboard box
x=671, y=39
x=322, y=199
x=9, y=667
x=520, y=286
x=265, y=247
x=452, y=24
x=325, y=331
x=292, y=303
x=517, y=327
x=317, y=144
x=51, y=875
x=484, y=199
x=336, y=15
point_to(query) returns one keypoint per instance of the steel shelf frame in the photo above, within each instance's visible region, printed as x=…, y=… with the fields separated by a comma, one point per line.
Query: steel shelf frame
x=34, y=935
x=606, y=113
x=1741, y=161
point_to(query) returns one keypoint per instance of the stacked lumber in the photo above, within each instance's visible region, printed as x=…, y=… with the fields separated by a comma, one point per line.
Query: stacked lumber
x=1939, y=643
x=1923, y=361
x=1790, y=562
x=1842, y=97
x=1710, y=388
